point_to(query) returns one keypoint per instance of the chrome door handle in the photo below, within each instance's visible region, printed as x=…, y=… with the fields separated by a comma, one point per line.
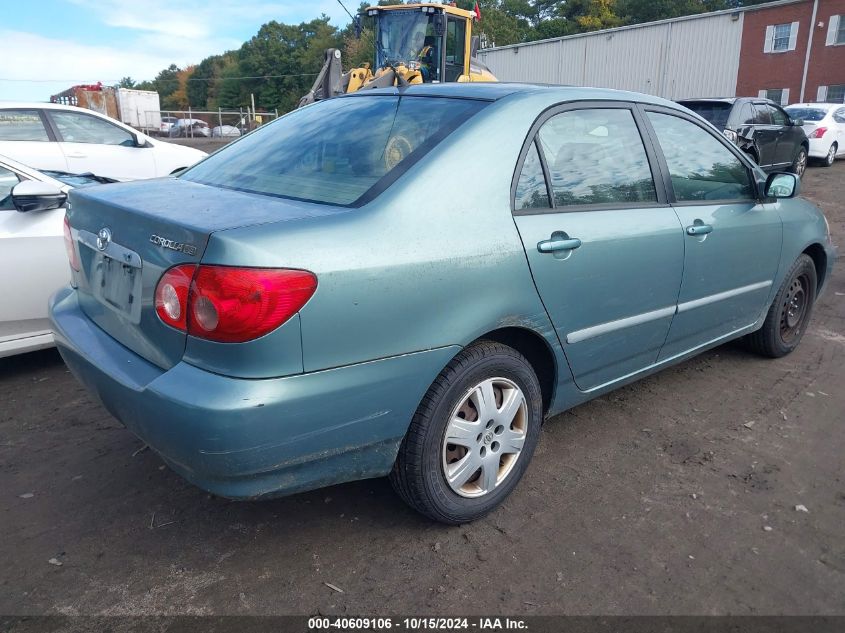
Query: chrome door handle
x=699, y=229
x=556, y=245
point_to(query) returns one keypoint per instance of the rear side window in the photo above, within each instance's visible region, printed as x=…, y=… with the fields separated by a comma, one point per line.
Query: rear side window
x=746, y=114
x=531, y=192
x=716, y=112
x=22, y=125
x=335, y=151
x=596, y=157
x=700, y=166
x=761, y=114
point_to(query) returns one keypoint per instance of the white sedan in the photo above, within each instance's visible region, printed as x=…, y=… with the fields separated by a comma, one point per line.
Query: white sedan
x=824, y=124
x=32, y=252
x=75, y=140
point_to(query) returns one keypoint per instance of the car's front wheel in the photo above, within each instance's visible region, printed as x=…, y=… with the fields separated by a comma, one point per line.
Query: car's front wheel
x=799, y=165
x=789, y=313
x=472, y=436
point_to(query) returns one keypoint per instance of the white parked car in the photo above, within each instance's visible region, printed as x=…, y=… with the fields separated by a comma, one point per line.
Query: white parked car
x=32, y=255
x=824, y=124
x=189, y=128
x=65, y=138
x=225, y=131
x=167, y=122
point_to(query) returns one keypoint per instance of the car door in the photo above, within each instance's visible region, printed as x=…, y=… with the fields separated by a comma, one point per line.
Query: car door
x=789, y=136
x=732, y=241
x=26, y=138
x=765, y=136
x=94, y=145
x=33, y=261
x=604, y=247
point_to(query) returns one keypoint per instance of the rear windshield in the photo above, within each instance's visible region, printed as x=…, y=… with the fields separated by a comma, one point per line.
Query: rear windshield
x=716, y=112
x=341, y=151
x=808, y=114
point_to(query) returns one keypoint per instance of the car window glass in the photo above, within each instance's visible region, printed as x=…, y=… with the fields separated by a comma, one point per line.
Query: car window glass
x=8, y=180
x=596, y=157
x=839, y=116
x=531, y=192
x=319, y=153
x=82, y=128
x=717, y=112
x=778, y=116
x=761, y=114
x=700, y=166
x=22, y=125
x=807, y=114
x=746, y=114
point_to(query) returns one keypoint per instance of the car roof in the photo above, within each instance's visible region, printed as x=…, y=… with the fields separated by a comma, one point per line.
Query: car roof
x=495, y=91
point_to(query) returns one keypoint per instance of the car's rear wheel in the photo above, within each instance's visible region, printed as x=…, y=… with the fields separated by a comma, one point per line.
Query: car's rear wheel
x=472, y=436
x=799, y=165
x=789, y=313
x=831, y=155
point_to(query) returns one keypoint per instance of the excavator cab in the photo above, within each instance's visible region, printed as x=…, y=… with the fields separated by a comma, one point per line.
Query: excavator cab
x=414, y=43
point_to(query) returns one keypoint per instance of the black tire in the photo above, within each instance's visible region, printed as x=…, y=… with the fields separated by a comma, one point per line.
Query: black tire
x=781, y=333
x=828, y=160
x=799, y=164
x=418, y=474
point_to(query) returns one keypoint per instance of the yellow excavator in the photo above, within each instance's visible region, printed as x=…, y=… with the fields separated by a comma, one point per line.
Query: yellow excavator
x=418, y=43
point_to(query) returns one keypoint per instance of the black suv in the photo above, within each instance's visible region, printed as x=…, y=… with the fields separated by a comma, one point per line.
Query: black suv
x=761, y=128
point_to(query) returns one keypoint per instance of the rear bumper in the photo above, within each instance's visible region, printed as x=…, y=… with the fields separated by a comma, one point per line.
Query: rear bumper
x=819, y=147
x=243, y=438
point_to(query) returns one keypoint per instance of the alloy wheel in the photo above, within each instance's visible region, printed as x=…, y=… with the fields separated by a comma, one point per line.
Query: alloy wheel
x=831, y=155
x=484, y=437
x=801, y=163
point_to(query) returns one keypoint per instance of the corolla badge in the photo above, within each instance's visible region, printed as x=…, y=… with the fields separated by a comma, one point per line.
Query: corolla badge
x=182, y=247
x=103, y=238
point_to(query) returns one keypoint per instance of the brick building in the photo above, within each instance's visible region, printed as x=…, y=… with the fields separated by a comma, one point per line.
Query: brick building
x=789, y=51
x=793, y=52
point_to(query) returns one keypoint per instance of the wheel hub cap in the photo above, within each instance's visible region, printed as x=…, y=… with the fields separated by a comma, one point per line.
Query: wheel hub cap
x=793, y=310
x=484, y=437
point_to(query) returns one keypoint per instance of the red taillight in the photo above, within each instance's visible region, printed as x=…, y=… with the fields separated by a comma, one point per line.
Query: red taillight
x=70, y=247
x=171, y=298
x=818, y=132
x=231, y=305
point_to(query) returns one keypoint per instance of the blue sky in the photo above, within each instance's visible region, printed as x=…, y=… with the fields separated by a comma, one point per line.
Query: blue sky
x=85, y=41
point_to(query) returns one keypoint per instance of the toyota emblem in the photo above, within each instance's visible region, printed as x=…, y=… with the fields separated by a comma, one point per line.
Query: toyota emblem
x=103, y=238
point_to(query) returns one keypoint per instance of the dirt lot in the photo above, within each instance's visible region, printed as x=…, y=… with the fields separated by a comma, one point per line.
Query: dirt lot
x=675, y=495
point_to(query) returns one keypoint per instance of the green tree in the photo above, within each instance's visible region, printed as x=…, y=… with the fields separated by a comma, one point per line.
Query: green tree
x=126, y=82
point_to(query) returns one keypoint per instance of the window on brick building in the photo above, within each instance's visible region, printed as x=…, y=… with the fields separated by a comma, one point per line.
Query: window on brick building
x=835, y=31
x=781, y=38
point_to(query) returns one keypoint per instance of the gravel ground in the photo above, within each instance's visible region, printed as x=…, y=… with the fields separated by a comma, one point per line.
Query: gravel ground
x=676, y=495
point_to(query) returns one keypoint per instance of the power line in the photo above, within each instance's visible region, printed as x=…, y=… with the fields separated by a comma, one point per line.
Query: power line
x=347, y=10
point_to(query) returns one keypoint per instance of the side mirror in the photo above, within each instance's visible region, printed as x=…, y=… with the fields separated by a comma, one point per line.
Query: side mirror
x=474, y=44
x=782, y=186
x=139, y=140
x=798, y=122
x=31, y=195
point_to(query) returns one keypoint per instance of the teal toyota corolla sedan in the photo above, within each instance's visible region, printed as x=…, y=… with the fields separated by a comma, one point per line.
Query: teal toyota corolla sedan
x=407, y=282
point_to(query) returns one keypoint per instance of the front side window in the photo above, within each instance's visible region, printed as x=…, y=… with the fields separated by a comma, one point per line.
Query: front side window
x=22, y=125
x=839, y=115
x=596, y=157
x=778, y=116
x=531, y=192
x=337, y=150
x=781, y=40
x=76, y=127
x=700, y=166
x=407, y=37
x=8, y=180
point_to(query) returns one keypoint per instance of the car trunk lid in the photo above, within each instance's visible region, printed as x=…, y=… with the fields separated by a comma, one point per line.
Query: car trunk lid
x=129, y=234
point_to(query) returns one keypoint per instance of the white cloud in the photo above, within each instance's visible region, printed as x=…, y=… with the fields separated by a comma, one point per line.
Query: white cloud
x=152, y=34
